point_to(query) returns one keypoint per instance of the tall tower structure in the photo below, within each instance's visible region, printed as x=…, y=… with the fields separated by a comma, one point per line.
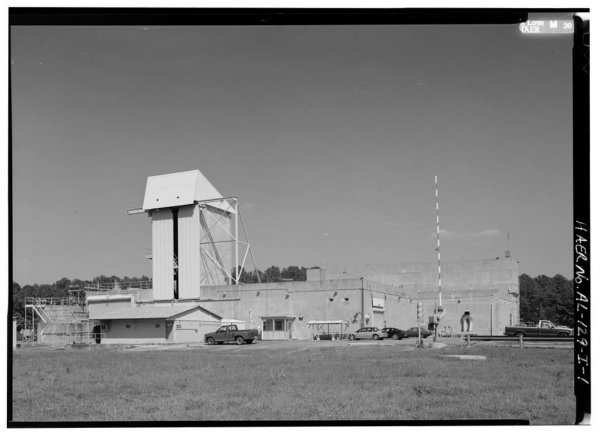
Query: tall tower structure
x=195, y=239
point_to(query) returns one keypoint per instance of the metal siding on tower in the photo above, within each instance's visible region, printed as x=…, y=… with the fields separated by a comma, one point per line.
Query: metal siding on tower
x=179, y=189
x=189, y=251
x=162, y=254
x=170, y=190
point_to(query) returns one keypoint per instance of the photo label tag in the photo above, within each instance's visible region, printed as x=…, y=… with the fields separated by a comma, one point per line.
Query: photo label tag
x=546, y=26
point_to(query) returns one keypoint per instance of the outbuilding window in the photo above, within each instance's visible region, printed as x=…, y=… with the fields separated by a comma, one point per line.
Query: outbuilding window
x=127, y=325
x=268, y=325
x=279, y=325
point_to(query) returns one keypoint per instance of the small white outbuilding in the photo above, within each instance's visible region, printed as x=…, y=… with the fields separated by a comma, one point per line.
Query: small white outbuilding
x=153, y=324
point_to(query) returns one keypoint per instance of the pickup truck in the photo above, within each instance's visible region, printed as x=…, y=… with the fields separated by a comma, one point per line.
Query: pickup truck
x=544, y=328
x=231, y=333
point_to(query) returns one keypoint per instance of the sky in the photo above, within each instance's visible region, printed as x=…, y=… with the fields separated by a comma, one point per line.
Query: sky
x=329, y=135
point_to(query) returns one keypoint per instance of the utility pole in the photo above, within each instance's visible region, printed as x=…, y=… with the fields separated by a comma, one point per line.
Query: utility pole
x=438, y=310
x=419, y=316
x=362, y=302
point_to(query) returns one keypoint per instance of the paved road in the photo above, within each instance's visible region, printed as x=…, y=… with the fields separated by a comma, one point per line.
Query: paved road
x=281, y=346
x=302, y=345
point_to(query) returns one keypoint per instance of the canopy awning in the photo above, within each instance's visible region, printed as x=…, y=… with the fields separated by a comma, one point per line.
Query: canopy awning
x=327, y=322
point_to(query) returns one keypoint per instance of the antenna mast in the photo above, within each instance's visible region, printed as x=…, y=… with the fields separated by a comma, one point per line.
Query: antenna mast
x=439, y=258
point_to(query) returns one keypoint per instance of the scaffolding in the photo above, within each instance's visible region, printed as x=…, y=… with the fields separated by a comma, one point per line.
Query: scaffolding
x=48, y=311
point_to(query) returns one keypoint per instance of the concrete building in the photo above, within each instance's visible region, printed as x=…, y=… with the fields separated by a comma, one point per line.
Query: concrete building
x=195, y=248
x=285, y=310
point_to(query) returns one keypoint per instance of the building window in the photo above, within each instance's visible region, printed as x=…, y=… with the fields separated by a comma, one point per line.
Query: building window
x=346, y=299
x=127, y=326
x=268, y=325
x=279, y=325
x=330, y=299
x=157, y=325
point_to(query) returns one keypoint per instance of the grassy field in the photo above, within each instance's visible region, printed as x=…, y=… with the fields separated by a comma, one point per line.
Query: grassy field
x=294, y=381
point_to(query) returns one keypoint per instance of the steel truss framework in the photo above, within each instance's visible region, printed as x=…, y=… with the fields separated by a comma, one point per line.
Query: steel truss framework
x=222, y=239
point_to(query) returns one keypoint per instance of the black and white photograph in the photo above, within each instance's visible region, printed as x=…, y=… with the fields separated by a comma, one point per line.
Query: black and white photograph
x=290, y=217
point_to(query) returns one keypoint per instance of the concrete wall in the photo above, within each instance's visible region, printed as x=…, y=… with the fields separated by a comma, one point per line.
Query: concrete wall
x=501, y=273
x=466, y=285
x=317, y=301
x=97, y=308
x=61, y=334
x=487, y=288
x=311, y=300
x=64, y=313
x=303, y=301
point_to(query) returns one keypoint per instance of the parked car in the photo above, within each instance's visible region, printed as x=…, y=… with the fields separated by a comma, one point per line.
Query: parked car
x=367, y=333
x=231, y=333
x=394, y=333
x=414, y=332
x=542, y=328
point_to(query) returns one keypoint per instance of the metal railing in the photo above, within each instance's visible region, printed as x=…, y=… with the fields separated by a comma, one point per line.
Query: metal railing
x=41, y=308
x=118, y=285
x=42, y=302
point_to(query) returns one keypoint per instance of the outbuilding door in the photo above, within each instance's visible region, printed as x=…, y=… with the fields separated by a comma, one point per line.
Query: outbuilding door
x=277, y=328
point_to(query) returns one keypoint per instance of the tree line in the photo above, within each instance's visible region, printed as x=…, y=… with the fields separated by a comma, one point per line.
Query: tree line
x=60, y=289
x=542, y=297
x=546, y=298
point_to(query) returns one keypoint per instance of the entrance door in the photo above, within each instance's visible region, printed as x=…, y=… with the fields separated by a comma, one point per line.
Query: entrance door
x=96, y=333
x=169, y=330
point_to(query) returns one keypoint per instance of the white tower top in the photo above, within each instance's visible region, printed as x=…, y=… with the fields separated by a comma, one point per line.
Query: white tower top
x=181, y=188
